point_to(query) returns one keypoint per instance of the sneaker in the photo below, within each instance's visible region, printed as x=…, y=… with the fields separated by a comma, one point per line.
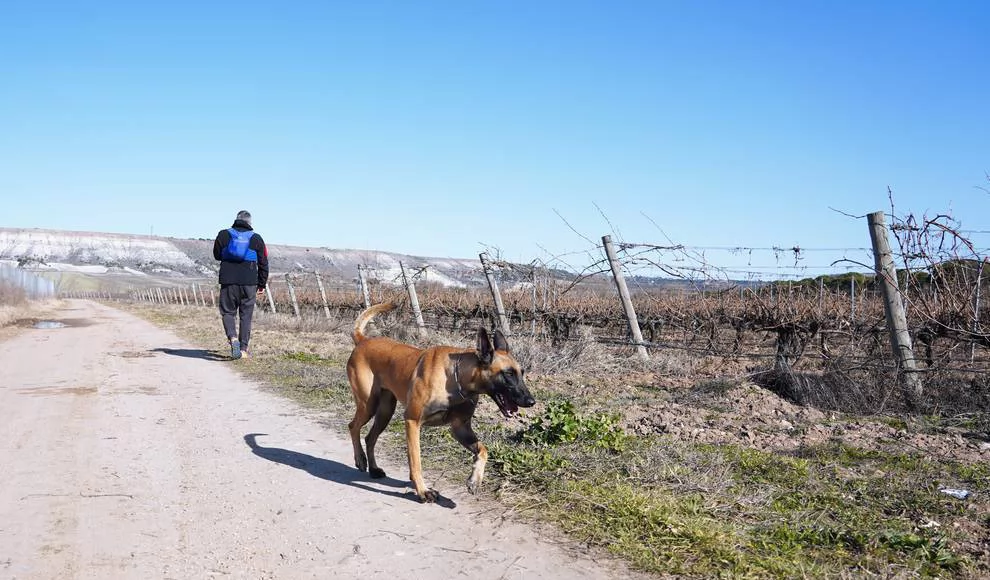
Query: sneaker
x=245, y=354
x=235, y=349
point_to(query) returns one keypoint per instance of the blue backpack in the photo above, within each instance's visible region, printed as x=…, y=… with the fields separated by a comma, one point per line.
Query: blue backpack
x=238, y=248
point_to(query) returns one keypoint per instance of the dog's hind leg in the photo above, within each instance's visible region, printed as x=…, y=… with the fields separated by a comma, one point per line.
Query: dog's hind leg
x=386, y=408
x=361, y=417
x=365, y=403
x=465, y=435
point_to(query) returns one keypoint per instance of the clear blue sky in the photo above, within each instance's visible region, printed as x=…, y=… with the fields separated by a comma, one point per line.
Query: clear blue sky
x=432, y=128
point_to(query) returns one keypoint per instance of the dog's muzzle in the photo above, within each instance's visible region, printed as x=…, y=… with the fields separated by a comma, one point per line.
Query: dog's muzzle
x=510, y=394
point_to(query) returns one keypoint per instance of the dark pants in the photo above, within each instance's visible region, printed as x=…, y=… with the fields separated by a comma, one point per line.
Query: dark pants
x=234, y=299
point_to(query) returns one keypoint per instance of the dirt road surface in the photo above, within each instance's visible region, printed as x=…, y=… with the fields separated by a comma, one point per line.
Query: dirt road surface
x=126, y=454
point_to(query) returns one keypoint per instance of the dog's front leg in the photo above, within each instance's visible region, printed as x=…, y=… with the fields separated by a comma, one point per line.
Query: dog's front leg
x=465, y=435
x=415, y=466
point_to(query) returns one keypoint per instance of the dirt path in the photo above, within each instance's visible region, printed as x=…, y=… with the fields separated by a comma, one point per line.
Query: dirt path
x=125, y=454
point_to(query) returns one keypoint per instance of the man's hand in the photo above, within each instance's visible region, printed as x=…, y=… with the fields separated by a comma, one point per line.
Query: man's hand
x=261, y=291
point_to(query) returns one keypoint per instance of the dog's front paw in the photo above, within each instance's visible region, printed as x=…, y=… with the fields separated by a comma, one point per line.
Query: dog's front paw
x=376, y=473
x=473, y=485
x=429, y=496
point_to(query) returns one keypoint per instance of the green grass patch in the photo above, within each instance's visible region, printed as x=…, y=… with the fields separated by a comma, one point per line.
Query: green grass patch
x=753, y=466
x=314, y=359
x=774, y=516
x=894, y=422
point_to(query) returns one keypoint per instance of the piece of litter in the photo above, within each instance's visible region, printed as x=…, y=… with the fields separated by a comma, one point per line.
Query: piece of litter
x=956, y=493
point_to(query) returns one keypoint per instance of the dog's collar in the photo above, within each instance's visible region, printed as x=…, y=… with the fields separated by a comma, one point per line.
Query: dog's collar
x=457, y=379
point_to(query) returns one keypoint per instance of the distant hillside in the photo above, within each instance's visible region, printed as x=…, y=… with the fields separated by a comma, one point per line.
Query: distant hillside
x=89, y=260
x=138, y=256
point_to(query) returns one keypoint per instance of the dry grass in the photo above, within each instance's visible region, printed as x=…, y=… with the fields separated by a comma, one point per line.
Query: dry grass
x=15, y=306
x=10, y=314
x=10, y=294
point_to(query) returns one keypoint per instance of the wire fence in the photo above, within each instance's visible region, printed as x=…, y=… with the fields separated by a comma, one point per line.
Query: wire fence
x=773, y=315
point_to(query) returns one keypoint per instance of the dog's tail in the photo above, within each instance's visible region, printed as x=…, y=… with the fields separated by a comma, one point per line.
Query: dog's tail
x=365, y=317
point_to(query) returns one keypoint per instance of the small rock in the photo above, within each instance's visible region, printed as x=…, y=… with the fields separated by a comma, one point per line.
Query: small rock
x=984, y=447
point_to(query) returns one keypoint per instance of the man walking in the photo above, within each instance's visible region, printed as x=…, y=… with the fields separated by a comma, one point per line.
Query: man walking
x=243, y=277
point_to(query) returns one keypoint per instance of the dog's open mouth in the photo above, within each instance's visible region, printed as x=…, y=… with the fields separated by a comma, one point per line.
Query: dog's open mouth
x=508, y=407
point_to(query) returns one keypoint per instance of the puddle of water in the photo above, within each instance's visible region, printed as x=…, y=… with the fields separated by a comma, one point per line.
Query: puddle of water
x=46, y=324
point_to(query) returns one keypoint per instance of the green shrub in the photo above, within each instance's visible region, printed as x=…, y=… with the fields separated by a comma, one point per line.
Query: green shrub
x=560, y=423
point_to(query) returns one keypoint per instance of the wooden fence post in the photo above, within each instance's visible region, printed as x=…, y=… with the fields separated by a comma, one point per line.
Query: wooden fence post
x=270, y=296
x=161, y=296
x=292, y=295
x=503, y=322
x=323, y=295
x=976, y=309
x=413, y=299
x=852, y=299
x=532, y=326
x=364, y=286
x=900, y=338
x=213, y=300
x=627, y=305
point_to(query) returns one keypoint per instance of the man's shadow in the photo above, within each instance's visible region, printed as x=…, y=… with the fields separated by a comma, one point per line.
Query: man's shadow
x=333, y=471
x=192, y=353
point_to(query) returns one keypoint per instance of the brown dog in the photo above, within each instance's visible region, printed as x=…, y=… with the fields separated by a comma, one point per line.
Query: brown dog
x=438, y=386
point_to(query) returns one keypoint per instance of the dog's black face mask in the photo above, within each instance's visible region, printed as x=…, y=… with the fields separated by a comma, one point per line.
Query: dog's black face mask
x=505, y=382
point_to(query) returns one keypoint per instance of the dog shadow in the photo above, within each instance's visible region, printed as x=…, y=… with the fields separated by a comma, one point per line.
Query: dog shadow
x=192, y=353
x=333, y=471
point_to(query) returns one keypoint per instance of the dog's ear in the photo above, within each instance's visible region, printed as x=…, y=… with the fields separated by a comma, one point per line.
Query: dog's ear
x=485, y=350
x=500, y=342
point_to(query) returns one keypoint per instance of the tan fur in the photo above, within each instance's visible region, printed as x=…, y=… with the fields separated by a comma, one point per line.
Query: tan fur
x=365, y=317
x=383, y=371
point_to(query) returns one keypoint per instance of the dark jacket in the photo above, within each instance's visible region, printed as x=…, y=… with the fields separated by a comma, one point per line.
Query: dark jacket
x=242, y=273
